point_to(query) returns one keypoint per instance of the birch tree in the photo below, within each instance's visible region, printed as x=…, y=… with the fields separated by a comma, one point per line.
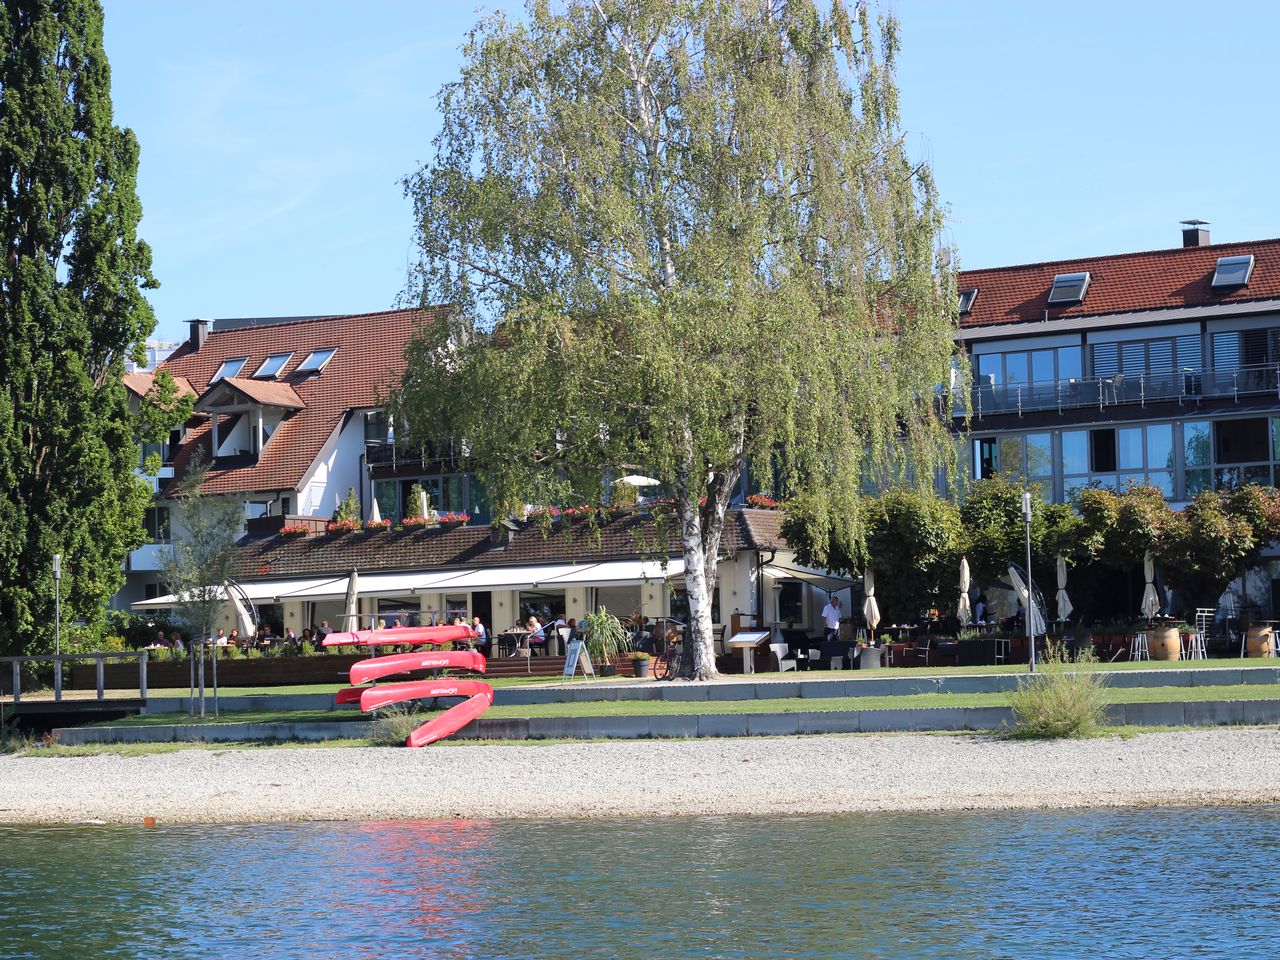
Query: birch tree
x=684, y=237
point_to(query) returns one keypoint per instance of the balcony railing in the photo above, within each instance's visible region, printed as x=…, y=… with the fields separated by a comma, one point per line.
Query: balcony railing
x=989, y=399
x=385, y=453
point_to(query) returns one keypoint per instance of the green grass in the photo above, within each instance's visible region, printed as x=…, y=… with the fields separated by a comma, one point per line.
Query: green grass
x=633, y=708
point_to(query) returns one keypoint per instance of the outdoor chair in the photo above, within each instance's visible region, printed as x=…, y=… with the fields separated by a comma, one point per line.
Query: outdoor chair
x=1194, y=648
x=1140, y=650
x=921, y=651
x=782, y=654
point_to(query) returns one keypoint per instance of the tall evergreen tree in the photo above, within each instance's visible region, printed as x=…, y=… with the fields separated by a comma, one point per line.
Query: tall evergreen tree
x=71, y=309
x=684, y=237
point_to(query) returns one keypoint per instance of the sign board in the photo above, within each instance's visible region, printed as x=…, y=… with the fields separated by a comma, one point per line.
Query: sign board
x=749, y=638
x=577, y=653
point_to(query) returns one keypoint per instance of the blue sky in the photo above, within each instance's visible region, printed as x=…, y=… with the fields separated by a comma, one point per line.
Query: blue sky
x=274, y=134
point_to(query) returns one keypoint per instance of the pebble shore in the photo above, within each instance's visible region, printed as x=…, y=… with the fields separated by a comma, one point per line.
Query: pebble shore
x=731, y=777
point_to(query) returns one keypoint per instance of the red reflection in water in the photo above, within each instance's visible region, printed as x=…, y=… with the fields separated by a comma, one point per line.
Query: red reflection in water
x=431, y=874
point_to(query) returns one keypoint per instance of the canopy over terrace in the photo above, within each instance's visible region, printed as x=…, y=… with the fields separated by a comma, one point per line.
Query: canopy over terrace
x=258, y=591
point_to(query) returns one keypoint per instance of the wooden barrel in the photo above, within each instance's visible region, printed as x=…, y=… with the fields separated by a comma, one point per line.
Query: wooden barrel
x=1258, y=640
x=1164, y=644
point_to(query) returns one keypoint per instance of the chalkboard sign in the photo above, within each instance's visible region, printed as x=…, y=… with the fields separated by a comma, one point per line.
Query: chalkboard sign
x=577, y=653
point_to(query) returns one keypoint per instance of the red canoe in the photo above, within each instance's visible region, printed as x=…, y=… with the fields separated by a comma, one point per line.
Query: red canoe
x=350, y=694
x=389, y=693
x=452, y=720
x=380, y=667
x=394, y=636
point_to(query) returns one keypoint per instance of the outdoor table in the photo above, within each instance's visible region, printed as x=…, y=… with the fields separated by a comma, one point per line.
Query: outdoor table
x=747, y=643
x=516, y=637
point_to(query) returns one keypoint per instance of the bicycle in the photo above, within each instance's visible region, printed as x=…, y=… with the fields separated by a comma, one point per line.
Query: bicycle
x=666, y=665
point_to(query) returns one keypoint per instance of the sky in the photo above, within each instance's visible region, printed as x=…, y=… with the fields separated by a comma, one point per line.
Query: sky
x=275, y=135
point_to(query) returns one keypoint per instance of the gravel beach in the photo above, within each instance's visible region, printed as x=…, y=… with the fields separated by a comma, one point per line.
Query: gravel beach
x=616, y=779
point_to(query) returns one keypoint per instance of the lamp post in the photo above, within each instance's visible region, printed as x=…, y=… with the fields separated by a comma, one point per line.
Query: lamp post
x=1031, y=637
x=57, y=604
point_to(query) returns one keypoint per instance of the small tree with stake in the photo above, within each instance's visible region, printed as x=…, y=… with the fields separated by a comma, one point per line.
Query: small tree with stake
x=200, y=563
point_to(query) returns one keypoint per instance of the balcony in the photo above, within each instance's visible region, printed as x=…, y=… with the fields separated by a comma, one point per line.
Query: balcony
x=385, y=453
x=990, y=399
x=148, y=557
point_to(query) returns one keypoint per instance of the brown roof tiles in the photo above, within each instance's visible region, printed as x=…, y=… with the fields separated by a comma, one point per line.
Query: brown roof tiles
x=1122, y=283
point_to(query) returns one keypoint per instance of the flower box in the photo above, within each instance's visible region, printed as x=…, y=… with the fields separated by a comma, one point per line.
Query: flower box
x=295, y=530
x=453, y=519
x=377, y=524
x=342, y=526
x=416, y=523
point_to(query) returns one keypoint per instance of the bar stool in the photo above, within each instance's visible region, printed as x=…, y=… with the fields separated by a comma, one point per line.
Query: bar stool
x=1140, y=650
x=1195, y=646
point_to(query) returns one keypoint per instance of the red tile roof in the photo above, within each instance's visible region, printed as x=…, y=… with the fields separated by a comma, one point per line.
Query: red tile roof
x=1122, y=283
x=139, y=384
x=266, y=392
x=367, y=366
x=627, y=537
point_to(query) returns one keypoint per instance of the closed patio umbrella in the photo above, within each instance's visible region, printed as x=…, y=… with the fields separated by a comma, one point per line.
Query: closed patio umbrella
x=351, y=620
x=423, y=507
x=1064, y=602
x=870, y=609
x=1028, y=602
x=243, y=619
x=963, y=613
x=375, y=515
x=1150, y=599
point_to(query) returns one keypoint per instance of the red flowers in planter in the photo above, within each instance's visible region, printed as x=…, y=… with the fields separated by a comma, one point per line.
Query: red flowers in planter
x=342, y=526
x=295, y=530
x=377, y=524
x=761, y=502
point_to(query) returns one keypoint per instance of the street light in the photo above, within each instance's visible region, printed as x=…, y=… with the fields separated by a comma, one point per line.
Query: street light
x=57, y=604
x=1031, y=637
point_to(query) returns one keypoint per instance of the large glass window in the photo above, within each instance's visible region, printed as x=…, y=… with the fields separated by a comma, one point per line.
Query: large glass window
x=1075, y=451
x=1042, y=366
x=156, y=521
x=1242, y=441
x=1102, y=450
x=1015, y=368
x=1130, y=448
x=1010, y=456
x=989, y=369
x=1069, y=365
x=1197, y=443
x=1160, y=446
x=1039, y=455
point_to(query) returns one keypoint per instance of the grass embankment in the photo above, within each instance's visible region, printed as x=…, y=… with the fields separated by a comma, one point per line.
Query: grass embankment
x=633, y=708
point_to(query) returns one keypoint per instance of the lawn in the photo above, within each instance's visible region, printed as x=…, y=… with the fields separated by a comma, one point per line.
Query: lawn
x=632, y=708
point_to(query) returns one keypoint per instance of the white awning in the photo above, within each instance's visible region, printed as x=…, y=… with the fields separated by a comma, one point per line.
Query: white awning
x=498, y=578
x=617, y=573
x=258, y=590
x=370, y=585
x=819, y=578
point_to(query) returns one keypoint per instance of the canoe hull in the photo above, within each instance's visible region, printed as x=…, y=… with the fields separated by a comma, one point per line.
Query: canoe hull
x=379, y=667
x=396, y=636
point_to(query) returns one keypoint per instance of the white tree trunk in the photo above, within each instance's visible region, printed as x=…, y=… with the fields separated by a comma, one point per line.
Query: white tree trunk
x=700, y=654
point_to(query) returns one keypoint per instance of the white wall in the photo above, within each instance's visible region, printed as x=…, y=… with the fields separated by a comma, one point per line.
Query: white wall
x=336, y=470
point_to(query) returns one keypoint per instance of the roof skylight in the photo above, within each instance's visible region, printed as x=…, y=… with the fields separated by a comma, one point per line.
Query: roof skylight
x=229, y=368
x=316, y=360
x=1233, y=271
x=966, y=300
x=272, y=366
x=1068, y=288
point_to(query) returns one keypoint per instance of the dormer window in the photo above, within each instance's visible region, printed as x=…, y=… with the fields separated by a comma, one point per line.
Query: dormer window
x=1233, y=271
x=1068, y=288
x=316, y=360
x=272, y=366
x=229, y=368
x=966, y=301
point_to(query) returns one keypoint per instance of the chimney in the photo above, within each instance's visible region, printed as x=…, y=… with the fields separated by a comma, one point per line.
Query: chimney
x=1195, y=233
x=199, y=333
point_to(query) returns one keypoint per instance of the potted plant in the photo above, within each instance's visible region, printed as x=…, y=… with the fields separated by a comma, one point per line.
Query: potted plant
x=295, y=530
x=342, y=526
x=639, y=664
x=605, y=638
x=377, y=524
x=453, y=519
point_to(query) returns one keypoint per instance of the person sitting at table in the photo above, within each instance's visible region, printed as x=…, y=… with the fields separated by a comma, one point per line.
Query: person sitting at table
x=481, y=641
x=290, y=638
x=175, y=641
x=574, y=630
x=536, y=635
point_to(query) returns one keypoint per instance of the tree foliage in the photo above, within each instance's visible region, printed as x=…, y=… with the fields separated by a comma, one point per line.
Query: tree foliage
x=71, y=309
x=682, y=236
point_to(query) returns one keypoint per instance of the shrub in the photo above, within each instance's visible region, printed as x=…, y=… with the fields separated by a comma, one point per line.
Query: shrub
x=231, y=652
x=308, y=650
x=253, y=653
x=1061, y=700
x=392, y=725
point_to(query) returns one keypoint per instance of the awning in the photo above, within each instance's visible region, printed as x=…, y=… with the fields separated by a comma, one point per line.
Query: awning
x=371, y=585
x=819, y=578
x=498, y=578
x=617, y=573
x=258, y=590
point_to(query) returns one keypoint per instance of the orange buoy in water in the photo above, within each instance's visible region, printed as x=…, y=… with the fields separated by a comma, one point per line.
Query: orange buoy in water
x=148, y=821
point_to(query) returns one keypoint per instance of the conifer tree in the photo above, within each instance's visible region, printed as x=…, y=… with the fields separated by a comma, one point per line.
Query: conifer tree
x=71, y=310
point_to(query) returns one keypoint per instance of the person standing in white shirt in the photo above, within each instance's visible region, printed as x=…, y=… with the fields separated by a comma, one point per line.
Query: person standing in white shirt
x=831, y=617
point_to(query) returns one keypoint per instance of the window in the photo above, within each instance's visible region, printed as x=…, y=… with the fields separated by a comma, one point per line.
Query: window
x=1130, y=444
x=986, y=459
x=1039, y=456
x=1068, y=288
x=315, y=360
x=272, y=366
x=156, y=522
x=229, y=368
x=1102, y=450
x=966, y=301
x=1242, y=441
x=680, y=605
x=1015, y=368
x=1010, y=455
x=1069, y=365
x=1233, y=271
x=1075, y=451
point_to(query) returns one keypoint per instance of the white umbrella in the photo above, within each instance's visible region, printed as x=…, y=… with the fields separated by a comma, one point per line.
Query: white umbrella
x=1150, y=599
x=1028, y=604
x=423, y=508
x=963, y=613
x=870, y=609
x=1064, y=602
x=351, y=621
x=245, y=621
x=375, y=515
x=635, y=480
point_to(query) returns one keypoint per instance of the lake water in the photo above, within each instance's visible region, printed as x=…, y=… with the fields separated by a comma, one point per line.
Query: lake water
x=1131, y=883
